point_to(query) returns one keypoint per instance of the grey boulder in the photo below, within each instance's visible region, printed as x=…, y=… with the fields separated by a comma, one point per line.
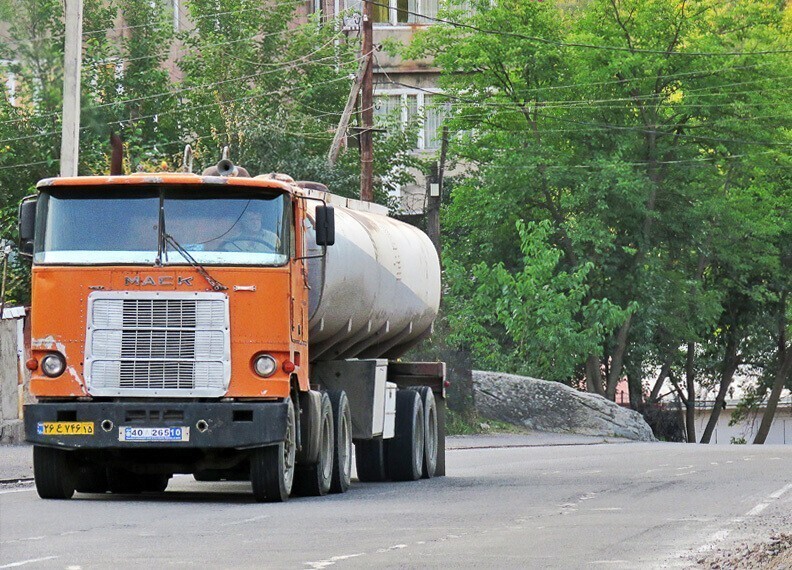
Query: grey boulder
x=554, y=407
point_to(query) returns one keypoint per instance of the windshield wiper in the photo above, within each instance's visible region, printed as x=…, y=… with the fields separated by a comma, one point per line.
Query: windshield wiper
x=214, y=283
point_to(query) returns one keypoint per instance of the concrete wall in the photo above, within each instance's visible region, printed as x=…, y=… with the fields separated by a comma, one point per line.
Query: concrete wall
x=12, y=392
x=780, y=431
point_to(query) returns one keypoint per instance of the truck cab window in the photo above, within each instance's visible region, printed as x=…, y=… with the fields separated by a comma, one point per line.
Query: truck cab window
x=121, y=225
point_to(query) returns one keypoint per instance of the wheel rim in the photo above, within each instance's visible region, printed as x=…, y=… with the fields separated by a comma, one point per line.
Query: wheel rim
x=345, y=447
x=418, y=444
x=289, y=451
x=327, y=449
x=431, y=433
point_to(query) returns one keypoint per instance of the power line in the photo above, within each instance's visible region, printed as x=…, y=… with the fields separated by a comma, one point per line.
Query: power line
x=196, y=107
x=573, y=44
x=179, y=109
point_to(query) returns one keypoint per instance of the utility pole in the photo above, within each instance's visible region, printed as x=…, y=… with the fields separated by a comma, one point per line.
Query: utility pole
x=343, y=124
x=434, y=194
x=367, y=110
x=70, y=138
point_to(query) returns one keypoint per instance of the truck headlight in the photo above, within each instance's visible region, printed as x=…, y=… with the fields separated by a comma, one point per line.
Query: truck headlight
x=265, y=366
x=53, y=364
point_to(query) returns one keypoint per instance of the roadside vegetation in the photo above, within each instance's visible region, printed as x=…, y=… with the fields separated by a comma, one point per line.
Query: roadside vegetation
x=622, y=207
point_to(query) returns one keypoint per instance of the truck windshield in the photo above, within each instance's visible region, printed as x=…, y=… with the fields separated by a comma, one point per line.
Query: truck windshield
x=121, y=225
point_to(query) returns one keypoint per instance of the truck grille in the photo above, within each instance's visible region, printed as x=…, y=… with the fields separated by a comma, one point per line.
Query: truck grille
x=164, y=344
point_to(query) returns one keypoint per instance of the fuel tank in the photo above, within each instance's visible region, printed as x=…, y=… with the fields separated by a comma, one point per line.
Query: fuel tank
x=375, y=293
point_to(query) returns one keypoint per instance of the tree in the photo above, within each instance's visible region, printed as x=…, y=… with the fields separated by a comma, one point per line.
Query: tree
x=648, y=136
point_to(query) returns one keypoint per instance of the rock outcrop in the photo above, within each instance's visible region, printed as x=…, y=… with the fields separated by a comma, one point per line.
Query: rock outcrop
x=554, y=407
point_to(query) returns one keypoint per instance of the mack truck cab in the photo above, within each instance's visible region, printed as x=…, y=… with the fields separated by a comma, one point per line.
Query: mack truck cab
x=230, y=327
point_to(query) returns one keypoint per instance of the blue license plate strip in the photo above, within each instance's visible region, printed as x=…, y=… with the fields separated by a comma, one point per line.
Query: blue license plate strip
x=163, y=434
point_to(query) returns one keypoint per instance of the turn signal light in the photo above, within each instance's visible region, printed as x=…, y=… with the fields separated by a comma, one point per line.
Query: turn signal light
x=288, y=366
x=31, y=364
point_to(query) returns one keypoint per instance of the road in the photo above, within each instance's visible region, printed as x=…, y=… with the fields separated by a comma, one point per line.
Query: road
x=623, y=505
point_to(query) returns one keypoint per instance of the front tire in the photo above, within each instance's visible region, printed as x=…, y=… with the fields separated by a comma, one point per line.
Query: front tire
x=272, y=467
x=406, y=450
x=53, y=473
x=342, y=447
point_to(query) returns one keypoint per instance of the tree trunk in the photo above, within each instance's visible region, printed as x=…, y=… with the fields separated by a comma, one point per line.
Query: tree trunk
x=690, y=378
x=593, y=375
x=658, y=385
x=730, y=363
x=784, y=369
x=617, y=360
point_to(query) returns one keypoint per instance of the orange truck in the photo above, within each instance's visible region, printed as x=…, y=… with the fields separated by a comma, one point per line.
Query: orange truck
x=229, y=326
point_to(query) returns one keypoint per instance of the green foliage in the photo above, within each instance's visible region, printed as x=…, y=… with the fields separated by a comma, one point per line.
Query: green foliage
x=660, y=182
x=544, y=315
x=239, y=76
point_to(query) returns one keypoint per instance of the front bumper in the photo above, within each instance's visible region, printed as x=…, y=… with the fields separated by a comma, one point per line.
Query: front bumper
x=228, y=425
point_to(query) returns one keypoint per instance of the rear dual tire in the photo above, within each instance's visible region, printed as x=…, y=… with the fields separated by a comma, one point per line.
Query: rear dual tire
x=405, y=452
x=315, y=480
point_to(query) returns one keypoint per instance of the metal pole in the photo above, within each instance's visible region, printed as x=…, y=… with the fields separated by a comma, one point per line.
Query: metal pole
x=367, y=111
x=70, y=139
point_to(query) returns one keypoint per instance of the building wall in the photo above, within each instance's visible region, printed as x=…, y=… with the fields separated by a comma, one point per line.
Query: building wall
x=724, y=434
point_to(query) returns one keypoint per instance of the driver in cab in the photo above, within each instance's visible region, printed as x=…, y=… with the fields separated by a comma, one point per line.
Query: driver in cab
x=251, y=236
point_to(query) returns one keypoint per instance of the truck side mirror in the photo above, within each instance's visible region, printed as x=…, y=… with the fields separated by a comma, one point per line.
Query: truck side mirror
x=27, y=225
x=325, y=225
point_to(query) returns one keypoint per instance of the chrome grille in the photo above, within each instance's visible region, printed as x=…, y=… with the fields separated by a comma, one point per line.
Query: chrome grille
x=165, y=344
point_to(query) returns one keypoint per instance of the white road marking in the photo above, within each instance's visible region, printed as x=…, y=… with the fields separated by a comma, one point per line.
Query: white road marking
x=330, y=561
x=245, y=521
x=757, y=509
x=26, y=489
x=31, y=561
x=722, y=534
x=784, y=489
x=400, y=546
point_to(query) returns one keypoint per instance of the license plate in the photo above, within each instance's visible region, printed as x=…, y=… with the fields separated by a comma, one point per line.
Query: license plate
x=128, y=433
x=65, y=428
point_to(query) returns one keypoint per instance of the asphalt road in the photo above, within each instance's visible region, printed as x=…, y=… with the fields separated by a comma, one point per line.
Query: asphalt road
x=584, y=506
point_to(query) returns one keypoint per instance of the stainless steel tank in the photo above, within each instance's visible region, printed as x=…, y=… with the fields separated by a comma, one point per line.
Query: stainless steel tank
x=377, y=291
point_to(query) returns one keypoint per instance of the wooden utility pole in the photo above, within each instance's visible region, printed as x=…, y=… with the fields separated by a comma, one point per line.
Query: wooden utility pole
x=434, y=194
x=70, y=138
x=367, y=109
x=343, y=124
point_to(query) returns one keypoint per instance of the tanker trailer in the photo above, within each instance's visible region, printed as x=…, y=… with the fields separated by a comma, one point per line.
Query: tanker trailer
x=227, y=326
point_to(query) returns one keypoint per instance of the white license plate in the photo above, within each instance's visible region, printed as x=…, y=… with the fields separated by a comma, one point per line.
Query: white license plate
x=127, y=433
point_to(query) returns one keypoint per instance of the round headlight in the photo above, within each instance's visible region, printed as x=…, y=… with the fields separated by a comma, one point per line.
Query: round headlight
x=265, y=365
x=53, y=365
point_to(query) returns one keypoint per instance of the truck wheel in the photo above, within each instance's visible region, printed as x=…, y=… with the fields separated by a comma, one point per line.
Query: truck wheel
x=370, y=460
x=342, y=448
x=208, y=475
x=123, y=482
x=272, y=467
x=430, y=431
x=53, y=473
x=91, y=479
x=154, y=482
x=315, y=480
x=406, y=450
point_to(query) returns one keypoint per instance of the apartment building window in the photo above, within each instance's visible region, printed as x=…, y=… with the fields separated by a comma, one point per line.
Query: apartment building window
x=407, y=105
x=398, y=12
